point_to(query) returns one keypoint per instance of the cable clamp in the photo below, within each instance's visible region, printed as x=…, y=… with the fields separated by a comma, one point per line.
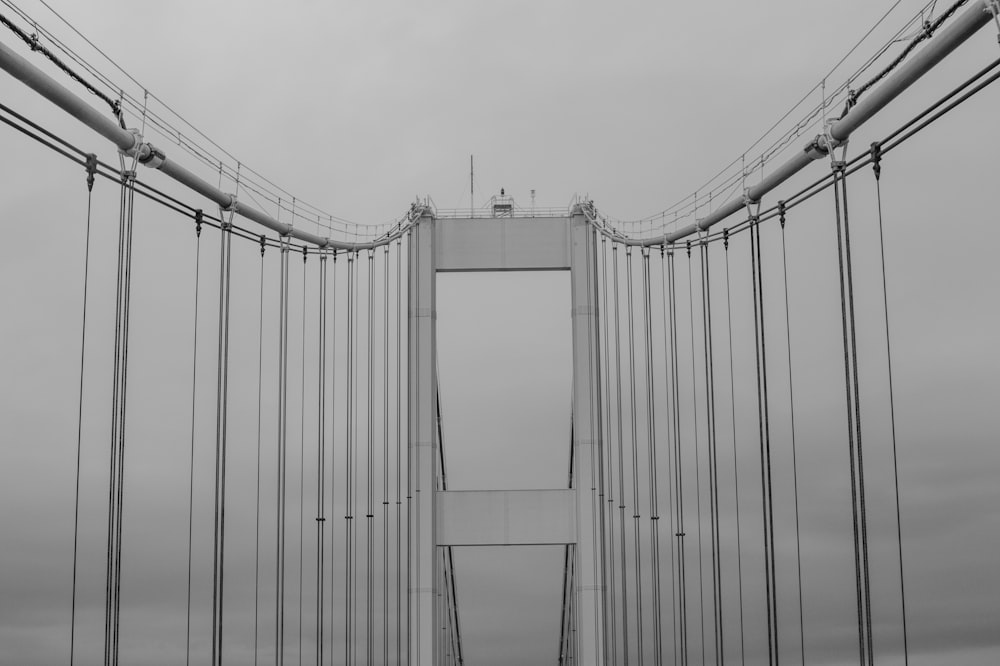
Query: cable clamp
x=136, y=149
x=263, y=245
x=151, y=156
x=781, y=213
x=127, y=175
x=725, y=237
x=232, y=206
x=993, y=7
x=753, y=208
x=199, y=217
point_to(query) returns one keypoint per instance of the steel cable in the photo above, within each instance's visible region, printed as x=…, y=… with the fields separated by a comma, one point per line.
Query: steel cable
x=654, y=514
x=713, y=468
x=791, y=408
x=621, y=458
x=697, y=457
x=91, y=168
x=877, y=170
x=610, y=460
x=194, y=402
x=635, y=458
x=736, y=473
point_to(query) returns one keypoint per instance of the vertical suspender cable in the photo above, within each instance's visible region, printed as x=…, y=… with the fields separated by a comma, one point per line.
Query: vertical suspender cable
x=370, y=485
x=279, y=654
x=385, y=458
x=411, y=255
x=222, y=426
x=610, y=459
x=621, y=457
x=597, y=428
x=736, y=472
x=678, y=461
x=348, y=470
x=399, y=453
x=791, y=407
x=876, y=152
x=837, y=172
x=321, y=459
x=333, y=448
x=260, y=404
x=596, y=488
x=635, y=458
x=116, y=490
x=194, y=402
x=713, y=466
x=857, y=422
x=853, y=415
x=354, y=455
x=654, y=511
x=91, y=170
x=765, y=444
x=302, y=450
x=697, y=458
x=671, y=437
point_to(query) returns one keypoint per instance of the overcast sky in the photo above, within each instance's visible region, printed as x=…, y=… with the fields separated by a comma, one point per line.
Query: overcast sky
x=358, y=108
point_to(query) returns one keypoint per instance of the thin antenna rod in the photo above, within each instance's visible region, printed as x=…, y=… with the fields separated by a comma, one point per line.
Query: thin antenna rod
x=472, y=188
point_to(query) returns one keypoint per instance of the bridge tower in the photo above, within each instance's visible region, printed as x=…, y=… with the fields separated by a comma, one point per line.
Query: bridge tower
x=502, y=517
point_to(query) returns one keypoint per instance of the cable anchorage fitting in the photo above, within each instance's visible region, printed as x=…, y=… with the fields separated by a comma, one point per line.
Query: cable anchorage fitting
x=199, y=217
x=91, y=165
x=876, y=152
x=781, y=213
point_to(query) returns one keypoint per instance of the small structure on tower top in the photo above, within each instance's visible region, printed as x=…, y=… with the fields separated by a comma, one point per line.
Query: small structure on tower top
x=502, y=205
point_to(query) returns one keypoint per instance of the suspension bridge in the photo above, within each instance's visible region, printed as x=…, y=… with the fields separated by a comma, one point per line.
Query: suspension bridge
x=759, y=459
